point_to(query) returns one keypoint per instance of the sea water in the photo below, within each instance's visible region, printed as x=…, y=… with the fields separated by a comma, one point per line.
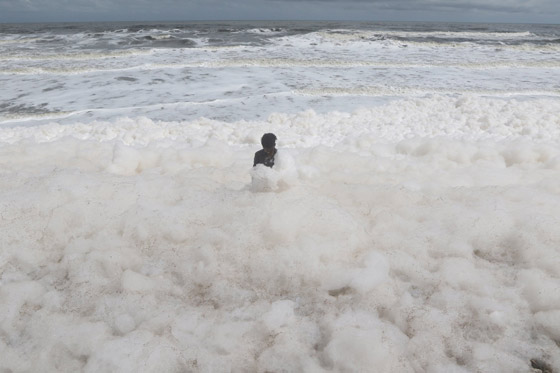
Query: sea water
x=410, y=222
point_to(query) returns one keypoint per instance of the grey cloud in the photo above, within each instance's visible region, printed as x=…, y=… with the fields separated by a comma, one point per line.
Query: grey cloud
x=450, y=10
x=507, y=6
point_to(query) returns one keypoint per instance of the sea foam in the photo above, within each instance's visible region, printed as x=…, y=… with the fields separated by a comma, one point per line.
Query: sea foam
x=428, y=245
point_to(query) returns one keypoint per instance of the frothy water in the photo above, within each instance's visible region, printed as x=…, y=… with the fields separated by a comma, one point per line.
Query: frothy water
x=245, y=71
x=410, y=222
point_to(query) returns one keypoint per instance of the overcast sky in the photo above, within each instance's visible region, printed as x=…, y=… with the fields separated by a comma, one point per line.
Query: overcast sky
x=524, y=11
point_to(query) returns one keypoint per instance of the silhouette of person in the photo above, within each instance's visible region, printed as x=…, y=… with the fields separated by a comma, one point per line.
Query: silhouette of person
x=266, y=155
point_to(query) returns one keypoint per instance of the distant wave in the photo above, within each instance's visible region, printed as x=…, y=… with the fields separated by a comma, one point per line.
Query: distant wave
x=82, y=55
x=262, y=62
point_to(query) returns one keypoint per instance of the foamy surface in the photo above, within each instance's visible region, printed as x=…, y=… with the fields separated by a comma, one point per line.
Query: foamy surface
x=402, y=231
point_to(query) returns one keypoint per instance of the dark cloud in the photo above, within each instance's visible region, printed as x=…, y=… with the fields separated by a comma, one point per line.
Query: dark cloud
x=536, y=6
x=445, y=10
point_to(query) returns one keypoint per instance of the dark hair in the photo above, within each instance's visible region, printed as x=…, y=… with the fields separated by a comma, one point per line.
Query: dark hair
x=268, y=140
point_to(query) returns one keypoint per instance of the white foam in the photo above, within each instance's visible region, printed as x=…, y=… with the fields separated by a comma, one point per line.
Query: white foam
x=467, y=117
x=411, y=236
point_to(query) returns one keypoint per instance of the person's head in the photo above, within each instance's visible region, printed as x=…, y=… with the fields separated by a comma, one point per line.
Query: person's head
x=268, y=141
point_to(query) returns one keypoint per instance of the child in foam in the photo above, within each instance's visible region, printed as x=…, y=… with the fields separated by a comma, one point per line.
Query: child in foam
x=266, y=155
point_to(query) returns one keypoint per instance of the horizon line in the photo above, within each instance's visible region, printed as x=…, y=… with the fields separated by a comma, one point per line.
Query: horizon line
x=278, y=20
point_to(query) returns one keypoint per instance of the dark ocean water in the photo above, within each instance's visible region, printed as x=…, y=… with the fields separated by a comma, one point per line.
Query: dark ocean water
x=122, y=35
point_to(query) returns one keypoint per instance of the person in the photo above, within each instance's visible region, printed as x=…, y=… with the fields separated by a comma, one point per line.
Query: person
x=266, y=155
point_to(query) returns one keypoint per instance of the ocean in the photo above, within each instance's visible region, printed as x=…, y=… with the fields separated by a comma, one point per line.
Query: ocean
x=409, y=224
